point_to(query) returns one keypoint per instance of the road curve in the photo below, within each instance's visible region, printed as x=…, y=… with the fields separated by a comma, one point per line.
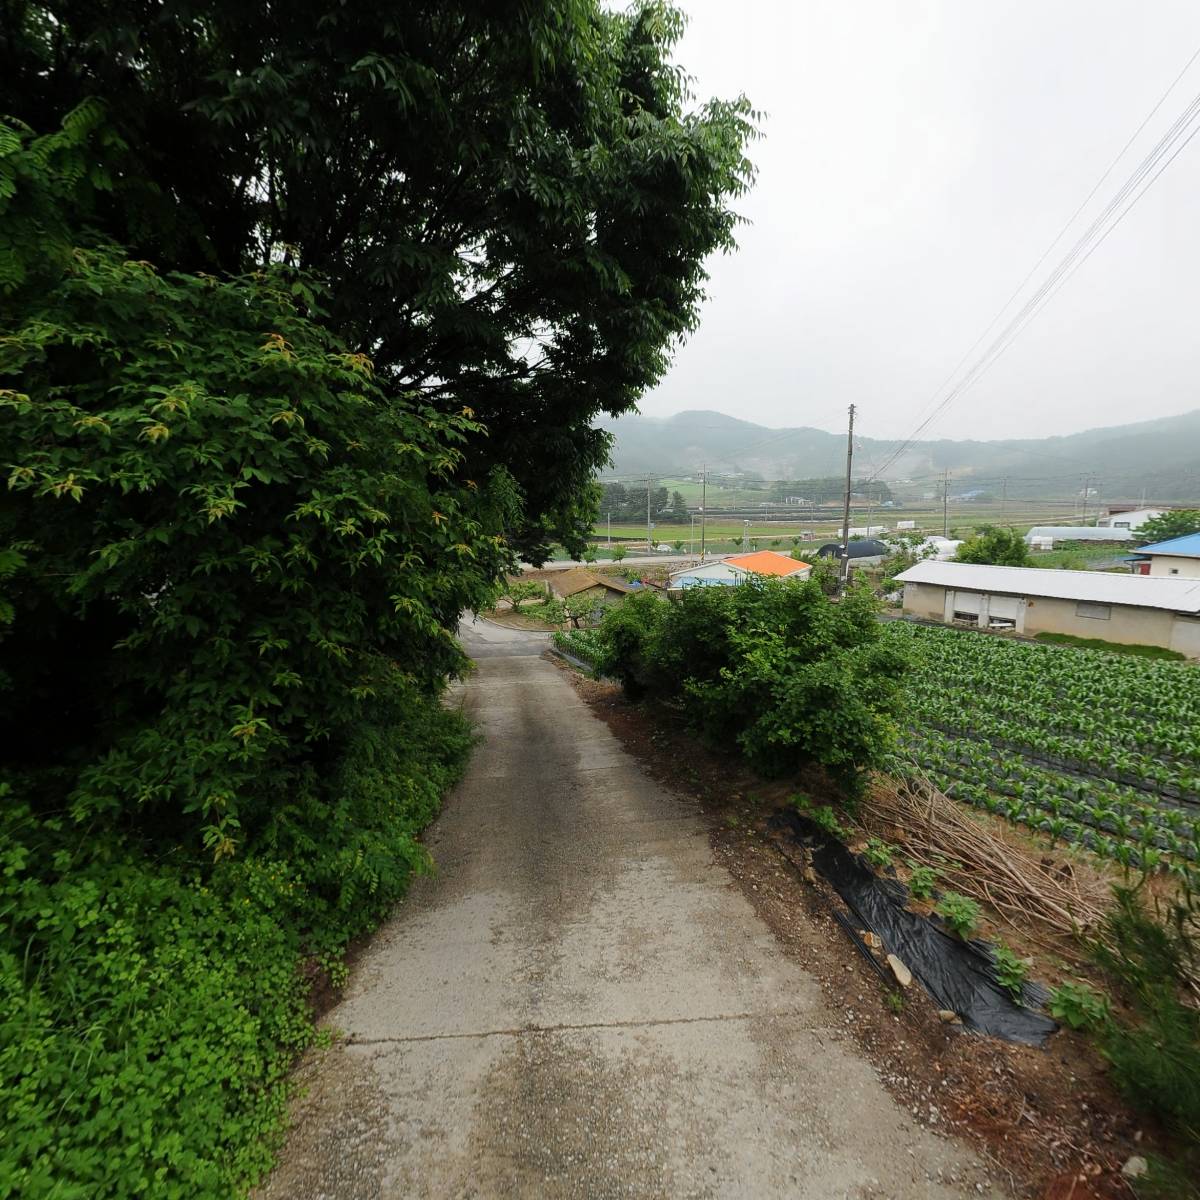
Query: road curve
x=581, y=1004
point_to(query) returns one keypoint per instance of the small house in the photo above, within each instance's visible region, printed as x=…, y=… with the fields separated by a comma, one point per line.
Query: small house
x=1176, y=556
x=1122, y=516
x=578, y=581
x=1090, y=604
x=737, y=569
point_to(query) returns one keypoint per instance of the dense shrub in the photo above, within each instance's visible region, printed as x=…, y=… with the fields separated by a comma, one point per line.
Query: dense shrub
x=222, y=535
x=150, y=1005
x=989, y=544
x=790, y=674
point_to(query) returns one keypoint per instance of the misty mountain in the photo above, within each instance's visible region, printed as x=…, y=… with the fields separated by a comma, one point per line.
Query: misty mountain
x=1160, y=456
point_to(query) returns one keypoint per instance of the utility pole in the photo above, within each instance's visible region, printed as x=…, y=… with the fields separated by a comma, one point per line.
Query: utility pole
x=610, y=528
x=692, y=535
x=703, y=505
x=745, y=536
x=1087, y=495
x=946, y=502
x=1003, y=499
x=846, y=503
x=649, y=527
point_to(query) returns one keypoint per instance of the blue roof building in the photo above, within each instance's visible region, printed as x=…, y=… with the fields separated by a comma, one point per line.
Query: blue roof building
x=1179, y=556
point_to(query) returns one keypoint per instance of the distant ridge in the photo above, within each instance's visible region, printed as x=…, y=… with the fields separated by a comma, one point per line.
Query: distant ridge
x=1160, y=456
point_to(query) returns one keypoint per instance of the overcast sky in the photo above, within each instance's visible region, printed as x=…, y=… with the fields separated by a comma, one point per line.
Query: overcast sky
x=918, y=157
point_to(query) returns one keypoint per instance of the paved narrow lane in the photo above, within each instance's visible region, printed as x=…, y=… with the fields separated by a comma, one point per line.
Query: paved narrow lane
x=581, y=1004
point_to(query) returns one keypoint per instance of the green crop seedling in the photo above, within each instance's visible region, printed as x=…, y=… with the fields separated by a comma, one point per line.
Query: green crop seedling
x=960, y=912
x=1078, y=1005
x=1011, y=971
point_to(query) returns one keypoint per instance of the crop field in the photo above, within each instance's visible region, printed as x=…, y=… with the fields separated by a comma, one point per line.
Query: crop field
x=1092, y=748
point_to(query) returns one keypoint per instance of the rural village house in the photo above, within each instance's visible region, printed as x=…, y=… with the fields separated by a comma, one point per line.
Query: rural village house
x=1176, y=556
x=1113, y=607
x=579, y=581
x=737, y=569
x=1123, y=517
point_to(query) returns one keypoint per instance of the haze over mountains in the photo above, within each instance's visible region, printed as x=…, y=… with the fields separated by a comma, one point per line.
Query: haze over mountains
x=1161, y=457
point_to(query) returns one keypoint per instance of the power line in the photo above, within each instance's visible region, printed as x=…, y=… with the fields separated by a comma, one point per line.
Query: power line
x=1075, y=258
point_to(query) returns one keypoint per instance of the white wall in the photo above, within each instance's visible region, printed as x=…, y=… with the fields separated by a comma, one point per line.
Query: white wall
x=1129, y=520
x=1175, y=566
x=717, y=572
x=1185, y=636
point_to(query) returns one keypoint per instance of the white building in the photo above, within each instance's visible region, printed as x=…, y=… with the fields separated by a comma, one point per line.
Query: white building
x=939, y=548
x=1133, y=519
x=1178, y=556
x=1090, y=604
x=737, y=569
x=1074, y=533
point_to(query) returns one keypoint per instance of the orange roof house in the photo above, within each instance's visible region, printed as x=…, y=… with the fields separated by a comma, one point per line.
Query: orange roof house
x=739, y=568
x=768, y=562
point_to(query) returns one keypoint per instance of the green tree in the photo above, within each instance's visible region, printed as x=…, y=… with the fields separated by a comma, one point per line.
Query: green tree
x=518, y=591
x=794, y=676
x=581, y=609
x=618, y=553
x=304, y=325
x=1177, y=523
x=1000, y=547
x=509, y=204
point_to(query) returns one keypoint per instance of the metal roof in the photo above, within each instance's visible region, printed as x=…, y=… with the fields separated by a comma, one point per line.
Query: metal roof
x=1140, y=591
x=1080, y=533
x=767, y=562
x=1187, y=546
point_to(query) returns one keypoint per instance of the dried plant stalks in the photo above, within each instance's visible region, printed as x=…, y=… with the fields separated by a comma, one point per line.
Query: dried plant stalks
x=938, y=832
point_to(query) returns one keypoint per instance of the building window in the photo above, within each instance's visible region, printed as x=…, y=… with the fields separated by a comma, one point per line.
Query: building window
x=1099, y=612
x=1120, y=524
x=1172, y=570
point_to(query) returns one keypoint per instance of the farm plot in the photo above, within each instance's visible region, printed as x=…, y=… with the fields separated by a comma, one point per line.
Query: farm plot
x=1086, y=746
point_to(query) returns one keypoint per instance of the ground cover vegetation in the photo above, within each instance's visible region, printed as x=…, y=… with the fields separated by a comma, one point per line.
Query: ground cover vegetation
x=270, y=419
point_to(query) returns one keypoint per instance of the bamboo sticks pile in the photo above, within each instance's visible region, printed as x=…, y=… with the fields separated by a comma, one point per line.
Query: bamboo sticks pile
x=935, y=831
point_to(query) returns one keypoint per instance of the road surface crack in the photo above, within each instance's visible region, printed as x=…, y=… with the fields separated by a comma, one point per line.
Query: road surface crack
x=568, y=1027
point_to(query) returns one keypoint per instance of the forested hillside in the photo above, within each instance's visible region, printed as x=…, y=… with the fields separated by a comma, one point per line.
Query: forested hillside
x=305, y=318
x=1157, y=456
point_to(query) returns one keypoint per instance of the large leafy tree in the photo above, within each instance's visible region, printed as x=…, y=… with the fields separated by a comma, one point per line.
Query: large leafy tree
x=996, y=546
x=510, y=202
x=230, y=538
x=1175, y=523
x=304, y=314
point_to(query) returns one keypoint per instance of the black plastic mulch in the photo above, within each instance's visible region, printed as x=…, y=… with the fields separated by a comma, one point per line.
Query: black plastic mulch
x=959, y=975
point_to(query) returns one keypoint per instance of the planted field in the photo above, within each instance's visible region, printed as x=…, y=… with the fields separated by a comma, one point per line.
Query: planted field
x=1092, y=748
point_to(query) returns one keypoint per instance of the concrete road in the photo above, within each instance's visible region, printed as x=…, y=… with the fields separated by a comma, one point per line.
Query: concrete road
x=581, y=1004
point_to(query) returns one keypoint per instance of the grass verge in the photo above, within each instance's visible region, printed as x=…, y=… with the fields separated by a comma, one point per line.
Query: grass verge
x=1068, y=639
